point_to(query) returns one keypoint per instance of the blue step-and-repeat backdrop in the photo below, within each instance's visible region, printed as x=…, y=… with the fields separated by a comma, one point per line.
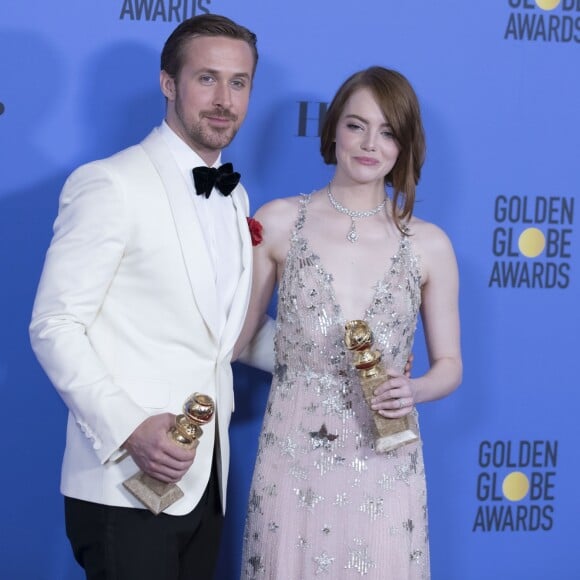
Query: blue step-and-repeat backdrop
x=499, y=85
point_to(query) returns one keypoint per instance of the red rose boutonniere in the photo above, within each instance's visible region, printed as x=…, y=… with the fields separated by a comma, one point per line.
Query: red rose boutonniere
x=255, y=231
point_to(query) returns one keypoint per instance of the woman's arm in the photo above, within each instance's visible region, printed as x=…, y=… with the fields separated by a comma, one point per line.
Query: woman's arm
x=268, y=260
x=440, y=315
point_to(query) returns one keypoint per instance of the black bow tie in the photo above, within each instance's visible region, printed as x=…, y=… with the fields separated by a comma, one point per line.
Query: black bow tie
x=223, y=178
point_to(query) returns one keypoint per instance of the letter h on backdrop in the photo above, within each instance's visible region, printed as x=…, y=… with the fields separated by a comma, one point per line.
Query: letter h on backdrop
x=310, y=118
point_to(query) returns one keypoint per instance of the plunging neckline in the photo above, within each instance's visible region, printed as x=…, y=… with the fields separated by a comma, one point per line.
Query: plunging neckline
x=327, y=276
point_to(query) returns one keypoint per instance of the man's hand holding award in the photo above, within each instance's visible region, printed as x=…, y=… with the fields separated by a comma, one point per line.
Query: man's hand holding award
x=157, y=495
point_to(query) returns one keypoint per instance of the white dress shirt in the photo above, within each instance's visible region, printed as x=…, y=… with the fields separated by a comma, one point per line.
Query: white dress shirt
x=218, y=217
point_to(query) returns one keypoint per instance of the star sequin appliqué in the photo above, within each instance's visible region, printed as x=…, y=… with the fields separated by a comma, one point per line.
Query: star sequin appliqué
x=307, y=499
x=359, y=558
x=256, y=564
x=322, y=438
x=323, y=562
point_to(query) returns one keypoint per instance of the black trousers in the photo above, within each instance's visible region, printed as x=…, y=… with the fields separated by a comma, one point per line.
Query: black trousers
x=114, y=543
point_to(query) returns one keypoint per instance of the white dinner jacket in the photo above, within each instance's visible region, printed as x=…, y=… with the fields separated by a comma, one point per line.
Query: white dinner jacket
x=125, y=321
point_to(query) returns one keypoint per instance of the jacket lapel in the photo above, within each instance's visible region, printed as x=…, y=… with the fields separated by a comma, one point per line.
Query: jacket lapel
x=242, y=294
x=195, y=257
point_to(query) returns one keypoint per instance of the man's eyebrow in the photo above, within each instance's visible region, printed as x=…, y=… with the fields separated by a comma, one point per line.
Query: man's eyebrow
x=217, y=72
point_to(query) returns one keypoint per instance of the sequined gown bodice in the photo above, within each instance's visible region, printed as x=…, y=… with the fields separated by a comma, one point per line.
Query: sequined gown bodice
x=323, y=503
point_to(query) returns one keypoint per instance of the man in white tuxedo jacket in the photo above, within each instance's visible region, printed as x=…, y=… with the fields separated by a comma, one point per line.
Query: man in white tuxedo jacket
x=142, y=296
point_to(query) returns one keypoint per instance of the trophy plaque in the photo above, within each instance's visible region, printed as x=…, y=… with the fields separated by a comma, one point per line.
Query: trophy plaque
x=157, y=495
x=389, y=433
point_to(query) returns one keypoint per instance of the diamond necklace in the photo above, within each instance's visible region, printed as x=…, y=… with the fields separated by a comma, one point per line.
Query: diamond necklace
x=352, y=235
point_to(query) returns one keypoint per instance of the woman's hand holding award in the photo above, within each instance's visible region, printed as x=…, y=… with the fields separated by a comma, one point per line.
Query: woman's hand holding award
x=389, y=433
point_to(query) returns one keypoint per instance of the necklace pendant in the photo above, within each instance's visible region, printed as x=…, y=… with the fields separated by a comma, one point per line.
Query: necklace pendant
x=352, y=235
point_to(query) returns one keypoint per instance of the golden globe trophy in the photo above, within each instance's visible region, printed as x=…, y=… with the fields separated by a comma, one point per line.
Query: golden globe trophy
x=389, y=433
x=157, y=495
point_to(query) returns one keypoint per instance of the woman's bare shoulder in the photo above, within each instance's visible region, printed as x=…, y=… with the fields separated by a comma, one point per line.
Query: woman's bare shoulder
x=434, y=247
x=427, y=233
x=277, y=218
x=279, y=208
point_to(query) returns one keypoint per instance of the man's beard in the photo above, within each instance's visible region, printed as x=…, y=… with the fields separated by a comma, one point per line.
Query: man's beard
x=210, y=138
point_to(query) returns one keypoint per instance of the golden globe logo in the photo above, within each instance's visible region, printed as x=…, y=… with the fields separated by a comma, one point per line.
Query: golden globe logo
x=547, y=4
x=516, y=486
x=532, y=242
x=543, y=21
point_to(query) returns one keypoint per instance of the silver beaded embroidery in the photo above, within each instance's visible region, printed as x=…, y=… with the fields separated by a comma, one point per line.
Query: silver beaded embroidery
x=359, y=558
x=323, y=563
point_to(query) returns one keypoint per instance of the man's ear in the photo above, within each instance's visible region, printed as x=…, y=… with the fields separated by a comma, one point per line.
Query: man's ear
x=167, y=84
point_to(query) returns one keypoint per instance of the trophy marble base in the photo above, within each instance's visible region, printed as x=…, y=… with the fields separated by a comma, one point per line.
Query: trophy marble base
x=389, y=433
x=155, y=495
x=394, y=433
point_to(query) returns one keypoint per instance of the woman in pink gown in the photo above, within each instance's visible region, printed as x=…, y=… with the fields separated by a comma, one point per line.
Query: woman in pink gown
x=323, y=502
